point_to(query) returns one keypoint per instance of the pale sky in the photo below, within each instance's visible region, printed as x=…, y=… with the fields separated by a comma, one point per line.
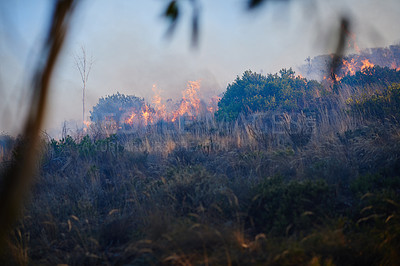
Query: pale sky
x=130, y=51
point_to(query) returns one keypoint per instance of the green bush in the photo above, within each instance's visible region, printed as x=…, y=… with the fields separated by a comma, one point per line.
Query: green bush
x=382, y=105
x=374, y=183
x=192, y=189
x=381, y=76
x=257, y=93
x=286, y=207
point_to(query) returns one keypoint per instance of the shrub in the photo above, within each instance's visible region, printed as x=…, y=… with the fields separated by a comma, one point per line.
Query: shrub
x=257, y=93
x=192, y=190
x=382, y=105
x=283, y=207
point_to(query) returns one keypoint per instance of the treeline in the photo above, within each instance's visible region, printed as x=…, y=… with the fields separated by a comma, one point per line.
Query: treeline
x=255, y=93
x=287, y=92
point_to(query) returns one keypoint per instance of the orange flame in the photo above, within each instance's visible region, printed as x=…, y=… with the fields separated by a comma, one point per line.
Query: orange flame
x=148, y=119
x=157, y=102
x=351, y=66
x=190, y=103
x=213, y=104
x=87, y=123
x=394, y=66
x=366, y=64
x=129, y=120
x=337, y=78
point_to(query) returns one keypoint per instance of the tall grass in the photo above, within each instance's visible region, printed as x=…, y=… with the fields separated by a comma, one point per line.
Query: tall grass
x=218, y=194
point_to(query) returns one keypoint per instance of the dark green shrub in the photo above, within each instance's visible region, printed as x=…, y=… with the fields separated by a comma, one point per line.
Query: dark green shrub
x=375, y=183
x=192, y=189
x=373, y=75
x=286, y=207
x=257, y=93
x=381, y=105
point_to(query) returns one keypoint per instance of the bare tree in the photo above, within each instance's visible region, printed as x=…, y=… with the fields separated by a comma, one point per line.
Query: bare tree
x=84, y=65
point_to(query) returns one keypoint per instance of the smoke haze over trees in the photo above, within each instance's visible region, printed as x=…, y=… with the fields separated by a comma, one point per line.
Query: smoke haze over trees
x=219, y=146
x=127, y=41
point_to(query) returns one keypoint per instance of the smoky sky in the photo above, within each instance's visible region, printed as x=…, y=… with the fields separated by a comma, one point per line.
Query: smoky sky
x=131, y=52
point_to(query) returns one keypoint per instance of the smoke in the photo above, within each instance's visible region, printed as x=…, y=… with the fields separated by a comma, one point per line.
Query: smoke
x=126, y=39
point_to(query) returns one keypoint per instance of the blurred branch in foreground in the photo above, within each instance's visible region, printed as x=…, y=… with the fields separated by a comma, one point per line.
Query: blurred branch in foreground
x=17, y=176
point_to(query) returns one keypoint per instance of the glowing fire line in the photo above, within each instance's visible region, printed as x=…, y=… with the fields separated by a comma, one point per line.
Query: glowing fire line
x=189, y=105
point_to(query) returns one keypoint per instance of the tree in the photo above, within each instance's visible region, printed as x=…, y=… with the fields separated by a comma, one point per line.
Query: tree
x=257, y=93
x=84, y=65
x=115, y=106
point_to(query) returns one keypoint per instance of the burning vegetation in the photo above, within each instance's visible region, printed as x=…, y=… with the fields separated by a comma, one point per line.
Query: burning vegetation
x=120, y=112
x=130, y=113
x=282, y=170
x=318, y=67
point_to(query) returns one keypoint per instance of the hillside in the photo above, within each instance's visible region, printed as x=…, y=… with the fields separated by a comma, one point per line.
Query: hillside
x=287, y=172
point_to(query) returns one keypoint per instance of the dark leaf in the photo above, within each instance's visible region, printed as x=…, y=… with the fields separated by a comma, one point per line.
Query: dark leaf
x=172, y=11
x=255, y=3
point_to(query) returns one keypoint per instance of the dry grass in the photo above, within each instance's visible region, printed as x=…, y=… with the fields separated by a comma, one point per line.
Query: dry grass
x=188, y=198
x=215, y=193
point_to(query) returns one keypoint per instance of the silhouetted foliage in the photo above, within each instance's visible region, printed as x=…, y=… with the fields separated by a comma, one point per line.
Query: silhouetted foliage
x=257, y=93
x=172, y=13
x=115, y=106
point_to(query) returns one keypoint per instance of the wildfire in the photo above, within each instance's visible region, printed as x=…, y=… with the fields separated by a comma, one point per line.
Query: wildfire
x=144, y=115
x=129, y=120
x=351, y=66
x=147, y=117
x=190, y=103
x=213, y=104
x=394, y=66
x=366, y=64
x=359, y=63
x=159, y=107
x=333, y=77
x=87, y=123
x=337, y=78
